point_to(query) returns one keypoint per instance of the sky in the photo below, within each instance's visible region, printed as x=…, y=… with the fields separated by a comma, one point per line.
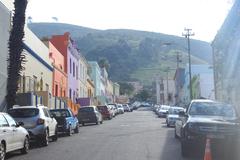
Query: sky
x=204, y=17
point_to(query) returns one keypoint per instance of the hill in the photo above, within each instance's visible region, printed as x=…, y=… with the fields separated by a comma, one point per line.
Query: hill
x=133, y=55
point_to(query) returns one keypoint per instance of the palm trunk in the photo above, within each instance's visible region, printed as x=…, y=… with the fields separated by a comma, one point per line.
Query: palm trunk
x=16, y=57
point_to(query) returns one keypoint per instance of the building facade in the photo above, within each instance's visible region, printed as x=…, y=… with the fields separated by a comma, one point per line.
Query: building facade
x=95, y=75
x=60, y=81
x=83, y=67
x=5, y=26
x=203, y=75
x=67, y=48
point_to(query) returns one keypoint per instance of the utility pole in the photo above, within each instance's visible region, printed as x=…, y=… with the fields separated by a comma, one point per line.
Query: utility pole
x=178, y=59
x=187, y=34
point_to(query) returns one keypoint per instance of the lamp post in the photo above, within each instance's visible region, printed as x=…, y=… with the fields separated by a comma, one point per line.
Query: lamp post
x=187, y=34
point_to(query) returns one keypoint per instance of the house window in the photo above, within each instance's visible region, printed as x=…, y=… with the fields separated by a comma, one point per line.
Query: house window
x=56, y=90
x=73, y=69
x=70, y=65
x=47, y=87
x=70, y=93
x=35, y=85
x=77, y=72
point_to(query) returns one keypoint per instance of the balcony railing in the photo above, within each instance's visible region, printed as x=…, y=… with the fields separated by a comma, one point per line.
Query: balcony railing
x=26, y=84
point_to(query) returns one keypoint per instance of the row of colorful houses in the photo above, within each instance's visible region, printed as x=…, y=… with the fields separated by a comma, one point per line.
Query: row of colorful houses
x=56, y=73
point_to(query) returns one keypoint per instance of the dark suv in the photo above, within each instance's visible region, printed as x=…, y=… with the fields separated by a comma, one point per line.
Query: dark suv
x=206, y=119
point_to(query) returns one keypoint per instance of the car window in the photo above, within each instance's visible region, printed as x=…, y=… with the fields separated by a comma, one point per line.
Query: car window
x=60, y=113
x=10, y=120
x=23, y=112
x=86, y=109
x=212, y=109
x=45, y=111
x=3, y=122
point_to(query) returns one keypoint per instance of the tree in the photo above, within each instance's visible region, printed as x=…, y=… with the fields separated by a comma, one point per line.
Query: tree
x=16, y=57
x=144, y=95
x=126, y=88
x=103, y=63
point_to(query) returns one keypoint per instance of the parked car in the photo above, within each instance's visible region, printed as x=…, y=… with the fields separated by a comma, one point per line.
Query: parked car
x=126, y=108
x=67, y=122
x=206, y=119
x=89, y=114
x=12, y=136
x=114, y=107
x=120, y=108
x=172, y=115
x=106, y=111
x=162, y=112
x=38, y=121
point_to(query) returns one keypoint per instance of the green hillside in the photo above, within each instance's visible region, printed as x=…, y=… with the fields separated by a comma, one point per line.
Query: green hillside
x=133, y=55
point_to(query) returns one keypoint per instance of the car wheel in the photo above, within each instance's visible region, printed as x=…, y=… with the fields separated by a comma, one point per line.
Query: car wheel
x=76, y=130
x=83, y=124
x=97, y=123
x=185, y=149
x=101, y=122
x=55, y=137
x=26, y=145
x=2, y=151
x=45, y=138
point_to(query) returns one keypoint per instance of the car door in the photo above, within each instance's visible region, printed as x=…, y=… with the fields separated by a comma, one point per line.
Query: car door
x=48, y=121
x=6, y=133
x=18, y=135
x=52, y=123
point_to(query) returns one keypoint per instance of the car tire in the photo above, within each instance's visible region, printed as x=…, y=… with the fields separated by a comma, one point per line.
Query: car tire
x=83, y=124
x=97, y=123
x=2, y=151
x=185, y=149
x=26, y=145
x=101, y=122
x=55, y=137
x=76, y=130
x=45, y=138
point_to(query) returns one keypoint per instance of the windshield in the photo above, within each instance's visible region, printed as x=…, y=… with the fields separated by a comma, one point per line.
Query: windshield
x=60, y=113
x=212, y=109
x=174, y=111
x=23, y=113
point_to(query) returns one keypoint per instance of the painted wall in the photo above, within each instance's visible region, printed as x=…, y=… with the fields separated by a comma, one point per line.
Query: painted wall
x=95, y=76
x=4, y=32
x=60, y=83
x=83, y=66
x=38, y=63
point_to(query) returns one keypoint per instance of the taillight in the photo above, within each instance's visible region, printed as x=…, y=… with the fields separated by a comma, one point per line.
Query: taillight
x=40, y=121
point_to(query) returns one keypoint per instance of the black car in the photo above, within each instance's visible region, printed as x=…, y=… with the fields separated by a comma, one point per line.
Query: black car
x=89, y=114
x=206, y=119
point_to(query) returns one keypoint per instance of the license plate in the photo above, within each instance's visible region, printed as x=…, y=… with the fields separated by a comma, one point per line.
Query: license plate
x=215, y=136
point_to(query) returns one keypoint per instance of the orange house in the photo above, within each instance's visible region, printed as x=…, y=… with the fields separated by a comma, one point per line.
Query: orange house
x=60, y=80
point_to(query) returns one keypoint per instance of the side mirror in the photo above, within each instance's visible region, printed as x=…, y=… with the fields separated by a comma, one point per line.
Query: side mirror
x=52, y=115
x=19, y=124
x=181, y=113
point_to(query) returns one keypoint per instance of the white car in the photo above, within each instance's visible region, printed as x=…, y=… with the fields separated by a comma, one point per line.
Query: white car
x=12, y=136
x=163, y=111
x=38, y=121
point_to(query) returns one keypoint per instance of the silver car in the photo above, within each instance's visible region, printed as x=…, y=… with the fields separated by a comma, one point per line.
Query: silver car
x=38, y=121
x=12, y=136
x=173, y=116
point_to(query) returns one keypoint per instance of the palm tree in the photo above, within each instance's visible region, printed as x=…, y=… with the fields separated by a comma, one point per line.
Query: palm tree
x=16, y=58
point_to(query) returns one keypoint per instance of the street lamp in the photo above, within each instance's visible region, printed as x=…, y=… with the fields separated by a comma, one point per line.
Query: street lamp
x=187, y=34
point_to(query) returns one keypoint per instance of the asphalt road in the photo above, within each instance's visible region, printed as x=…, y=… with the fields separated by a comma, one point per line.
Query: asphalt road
x=139, y=135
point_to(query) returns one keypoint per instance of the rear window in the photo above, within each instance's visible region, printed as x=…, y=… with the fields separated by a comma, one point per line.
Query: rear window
x=102, y=108
x=60, y=113
x=86, y=109
x=24, y=112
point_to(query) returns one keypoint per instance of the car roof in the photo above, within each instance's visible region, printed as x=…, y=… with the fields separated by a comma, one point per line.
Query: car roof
x=176, y=107
x=202, y=100
x=24, y=107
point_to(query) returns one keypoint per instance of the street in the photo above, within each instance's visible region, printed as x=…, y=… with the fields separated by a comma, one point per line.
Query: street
x=139, y=135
